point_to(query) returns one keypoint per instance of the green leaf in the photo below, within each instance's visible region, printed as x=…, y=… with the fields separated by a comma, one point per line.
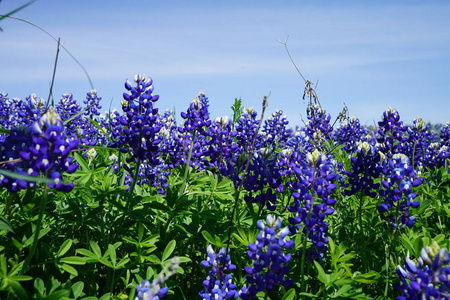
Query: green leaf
x=58, y=295
x=88, y=253
x=83, y=164
x=39, y=285
x=346, y=257
x=106, y=296
x=73, y=260
x=95, y=248
x=112, y=254
x=16, y=10
x=77, y=289
x=64, y=247
x=407, y=244
x=309, y=295
x=184, y=259
x=5, y=131
x=106, y=262
x=240, y=239
x=168, y=250
x=322, y=276
x=69, y=269
x=289, y=295
x=121, y=264
x=26, y=177
x=20, y=278
x=344, y=289
x=17, y=289
x=208, y=237
x=43, y=232
x=5, y=225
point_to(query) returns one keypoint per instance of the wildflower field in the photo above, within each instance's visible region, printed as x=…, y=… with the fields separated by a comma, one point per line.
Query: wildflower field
x=145, y=204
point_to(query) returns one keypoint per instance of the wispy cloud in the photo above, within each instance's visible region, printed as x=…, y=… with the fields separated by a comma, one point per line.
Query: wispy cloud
x=377, y=43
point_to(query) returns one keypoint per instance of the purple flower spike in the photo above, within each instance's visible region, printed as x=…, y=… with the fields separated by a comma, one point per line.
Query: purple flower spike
x=269, y=266
x=427, y=278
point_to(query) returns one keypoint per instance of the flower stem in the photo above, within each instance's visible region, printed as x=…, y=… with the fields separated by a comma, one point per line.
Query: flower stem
x=188, y=162
x=133, y=183
x=249, y=158
x=302, y=266
x=36, y=231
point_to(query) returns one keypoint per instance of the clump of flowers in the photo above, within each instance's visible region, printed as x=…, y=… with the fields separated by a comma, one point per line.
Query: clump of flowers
x=218, y=284
x=142, y=128
x=43, y=148
x=275, y=132
x=269, y=261
x=397, y=192
x=391, y=133
x=319, y=127
x=197, y=115
x=366, y=167
x=92, y=103
x=428, y=277
x=312, y=202
x=350, y=133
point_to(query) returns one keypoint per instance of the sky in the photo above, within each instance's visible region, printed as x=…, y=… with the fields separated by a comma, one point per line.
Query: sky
x=370, y=55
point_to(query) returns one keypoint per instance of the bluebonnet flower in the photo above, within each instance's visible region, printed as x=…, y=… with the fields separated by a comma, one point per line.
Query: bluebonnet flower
x=397, y=194
x=13, y=112
x=42, y=148
x=263, y=178
x=428, y=277
x=312, y=202
x=144, y=291
x=197, y=116
x=36, y=107
x=437, y=155
x=141, y=121
x=418, y=140
x=191, y=136
x=366, y=168
x=318, y=128
x=445, y=134
x=274, y=132
x=113, y=124
x=66, y=108
x=246, y=128
x=269, y=261
x=349, y=134
x=220, y=145
x=92, y=104
x=218, y=284
x=391, y=133
x=153, y=291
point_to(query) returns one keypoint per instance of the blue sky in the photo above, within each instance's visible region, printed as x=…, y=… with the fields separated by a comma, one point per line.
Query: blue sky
x=368, y=54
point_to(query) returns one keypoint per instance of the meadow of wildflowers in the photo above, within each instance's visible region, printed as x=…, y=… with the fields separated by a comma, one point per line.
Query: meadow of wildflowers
x=142, y=203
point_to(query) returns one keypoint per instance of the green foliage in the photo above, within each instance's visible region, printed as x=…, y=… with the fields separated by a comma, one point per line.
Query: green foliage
x=237, y=110
x=99, y=241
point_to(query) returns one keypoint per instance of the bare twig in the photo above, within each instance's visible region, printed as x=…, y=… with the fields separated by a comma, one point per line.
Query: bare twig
x=54, y=73
x=290, y=57
x=67, y=51
x=309, y=91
